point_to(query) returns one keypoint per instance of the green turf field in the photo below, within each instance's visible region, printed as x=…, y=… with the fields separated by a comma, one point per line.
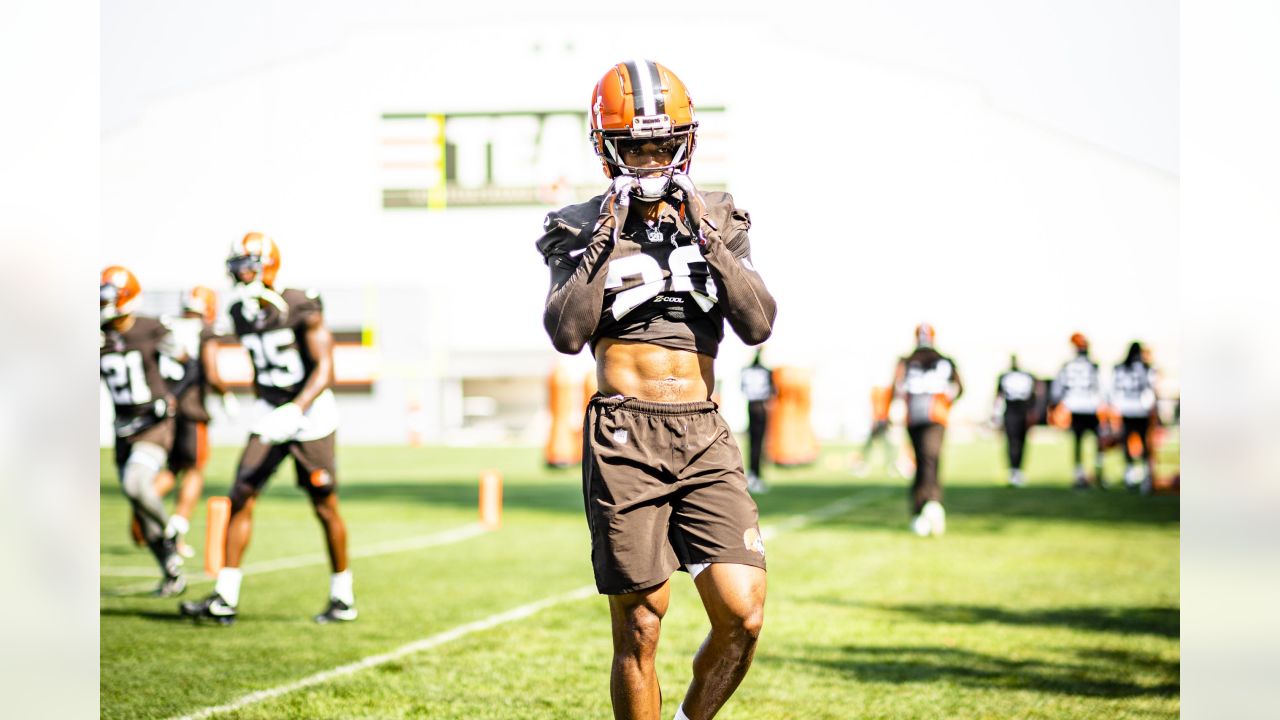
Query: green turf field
x=1039, y=603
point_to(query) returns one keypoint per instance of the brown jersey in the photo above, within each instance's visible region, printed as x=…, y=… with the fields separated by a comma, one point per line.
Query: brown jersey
x=659, y=287
x=129, y=363
x=198, y=342
x=275, y=336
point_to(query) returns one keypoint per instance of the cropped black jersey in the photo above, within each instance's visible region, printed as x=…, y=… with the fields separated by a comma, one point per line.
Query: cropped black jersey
x=656, y=284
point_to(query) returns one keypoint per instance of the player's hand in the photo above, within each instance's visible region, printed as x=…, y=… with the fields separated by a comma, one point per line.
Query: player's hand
x=617, y=202
x=279, y=425
x=694, y=206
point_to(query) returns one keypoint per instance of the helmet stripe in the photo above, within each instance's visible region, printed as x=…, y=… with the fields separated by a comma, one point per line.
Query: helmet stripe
x=644, y=79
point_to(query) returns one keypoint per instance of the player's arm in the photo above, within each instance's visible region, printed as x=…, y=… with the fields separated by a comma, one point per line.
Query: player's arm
x=747, y=303
x=955, y=380
x=319, y=341
x=209, y=363
x=576, y=296
x=899, y=379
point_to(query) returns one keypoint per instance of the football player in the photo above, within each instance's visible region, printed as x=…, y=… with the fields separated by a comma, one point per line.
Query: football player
x=292, y=353
x=929, y=382
x=647, y=273
x=757, y=385
x=1133, y=393
x=130, y=350
x=1078, y=389
x=1015, y=394
x=195, y=334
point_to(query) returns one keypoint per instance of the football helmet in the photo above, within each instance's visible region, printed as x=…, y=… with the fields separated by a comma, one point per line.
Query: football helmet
x=202, y=301
x=1080, y=341
x=924, y=335
x=118, y=293
x=640, y=108
x=255, y=252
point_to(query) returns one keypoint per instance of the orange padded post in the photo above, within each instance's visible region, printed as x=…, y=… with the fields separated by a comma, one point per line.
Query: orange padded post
x=217, y=516
x=491, y=499
x=566, y=401
x=790, y=439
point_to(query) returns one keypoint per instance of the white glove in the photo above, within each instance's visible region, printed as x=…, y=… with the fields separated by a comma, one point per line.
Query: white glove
x=230, y=405
x=694, y=207
x=279, y=425
x=617, y=202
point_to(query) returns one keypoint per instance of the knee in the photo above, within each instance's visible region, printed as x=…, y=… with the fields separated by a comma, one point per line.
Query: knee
x=743, y=628
x=640, y=632
x=241, y=493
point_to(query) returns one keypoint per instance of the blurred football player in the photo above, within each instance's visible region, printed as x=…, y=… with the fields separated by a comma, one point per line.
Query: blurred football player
x=131, y=348
x=929, y=383
x=195, y=333
x=292, y=353
x=1133, y=394
x=1078, y=389
x=1015, y=395
x=647, y=273
x=757, y=386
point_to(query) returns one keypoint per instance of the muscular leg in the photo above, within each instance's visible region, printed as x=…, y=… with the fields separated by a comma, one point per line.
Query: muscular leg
x=189, y=494
x=637, y=622
x=733, y=596
x=138, y=483
x=335, y=530
x=163, y=482
x=240, y=527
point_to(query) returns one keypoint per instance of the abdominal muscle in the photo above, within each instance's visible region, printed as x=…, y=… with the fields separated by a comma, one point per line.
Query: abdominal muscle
x=651, y=372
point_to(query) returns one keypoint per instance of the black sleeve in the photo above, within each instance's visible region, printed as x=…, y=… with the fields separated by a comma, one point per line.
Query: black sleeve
x=577, y=250
x=748, y=306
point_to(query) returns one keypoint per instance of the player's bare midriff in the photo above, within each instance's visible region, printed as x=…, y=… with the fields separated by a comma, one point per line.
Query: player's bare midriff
x=651, y=372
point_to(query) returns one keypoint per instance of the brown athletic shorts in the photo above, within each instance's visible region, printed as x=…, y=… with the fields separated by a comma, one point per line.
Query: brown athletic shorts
x=190, y=445
x=161, y=433
x=664, y=488
x=314, y=461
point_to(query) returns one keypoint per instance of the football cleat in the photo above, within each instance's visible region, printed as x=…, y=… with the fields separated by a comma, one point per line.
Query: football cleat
x=337, y=611
x=1016, y=479
x=920, y=525
x=172, y=586
x=212, y=607
x=936, y=517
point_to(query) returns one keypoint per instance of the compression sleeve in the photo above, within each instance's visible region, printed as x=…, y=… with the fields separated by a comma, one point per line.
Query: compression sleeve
x=576, y=297
x=747, y=304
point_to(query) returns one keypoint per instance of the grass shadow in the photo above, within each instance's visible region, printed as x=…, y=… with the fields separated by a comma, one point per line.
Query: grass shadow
x=1093, y=675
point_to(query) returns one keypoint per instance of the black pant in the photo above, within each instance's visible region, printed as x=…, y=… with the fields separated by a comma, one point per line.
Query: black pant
x=757, y=420
x=926, y=439
x=1015, y=432
x=1139, y=425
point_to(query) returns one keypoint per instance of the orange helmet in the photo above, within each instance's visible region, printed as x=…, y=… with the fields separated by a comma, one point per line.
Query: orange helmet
x=1079, y=341
x=202, y=301
x=256, y=252
x=924, y=335
x=118, y=292
x=639, y=101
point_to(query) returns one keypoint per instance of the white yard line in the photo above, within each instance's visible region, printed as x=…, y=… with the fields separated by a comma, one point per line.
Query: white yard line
x=792, y=523
x=447, y=537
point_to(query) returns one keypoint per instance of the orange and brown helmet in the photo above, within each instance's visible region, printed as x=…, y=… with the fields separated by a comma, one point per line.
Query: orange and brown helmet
x=118, y=292
x=642, y=101
x=201, y=301
x=255, y=252
x=1080, y=341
